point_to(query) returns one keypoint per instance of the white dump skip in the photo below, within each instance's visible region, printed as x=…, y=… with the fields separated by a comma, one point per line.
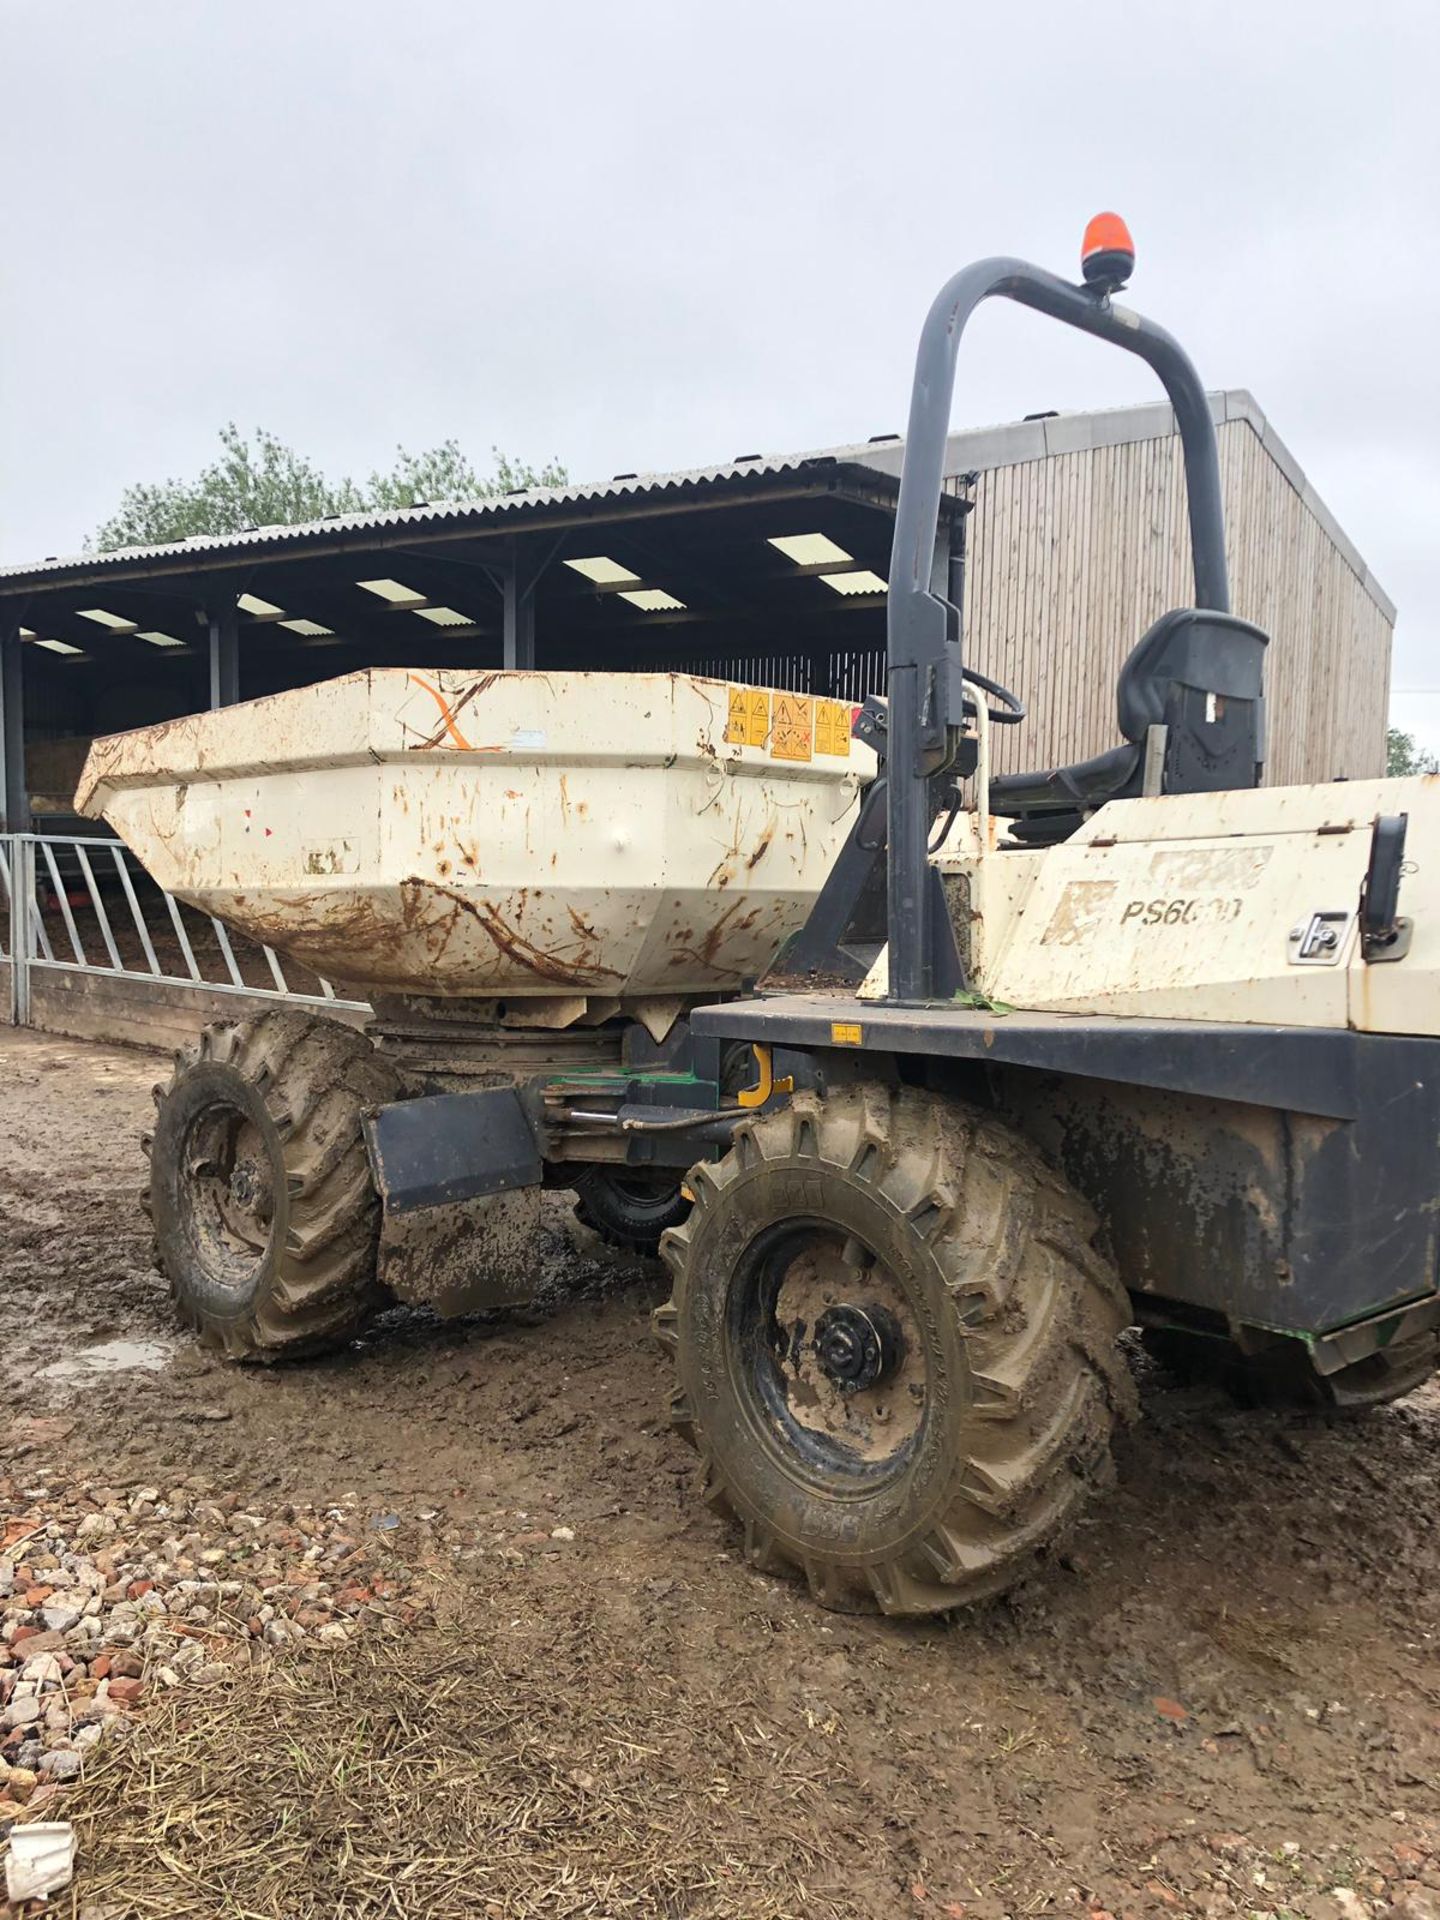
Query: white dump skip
x=462, y=833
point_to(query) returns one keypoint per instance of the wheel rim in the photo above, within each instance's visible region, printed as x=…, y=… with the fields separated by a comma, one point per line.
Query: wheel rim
x=227, y=1195
x=829, y=1358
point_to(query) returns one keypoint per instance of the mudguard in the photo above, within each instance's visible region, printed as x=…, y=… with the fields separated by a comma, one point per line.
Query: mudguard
x=459, y=1178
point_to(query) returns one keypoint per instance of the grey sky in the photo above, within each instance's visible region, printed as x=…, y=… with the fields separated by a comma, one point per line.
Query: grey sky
x=646, y=235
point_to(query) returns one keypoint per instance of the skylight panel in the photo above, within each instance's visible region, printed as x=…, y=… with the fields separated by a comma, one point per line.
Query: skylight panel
x=604, y=571
x=810, y=549
x=861, y=581
x=394, y=592
x=652, y=600
x=444, y=617
x=116, y=622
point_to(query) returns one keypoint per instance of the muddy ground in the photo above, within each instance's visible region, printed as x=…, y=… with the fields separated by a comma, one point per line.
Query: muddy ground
x=1224, y=1699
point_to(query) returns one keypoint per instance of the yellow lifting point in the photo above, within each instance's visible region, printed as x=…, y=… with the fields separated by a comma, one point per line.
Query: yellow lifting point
x=756, y=1096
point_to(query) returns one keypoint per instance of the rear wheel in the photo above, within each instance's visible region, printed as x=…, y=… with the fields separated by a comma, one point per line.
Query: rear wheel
x=265, y=1217
x=1285, y=1376
x=895, y=1341
x=630, y=1207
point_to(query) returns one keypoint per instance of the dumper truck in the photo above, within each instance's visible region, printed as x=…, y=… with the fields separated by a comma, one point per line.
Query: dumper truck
x=1140, y=1042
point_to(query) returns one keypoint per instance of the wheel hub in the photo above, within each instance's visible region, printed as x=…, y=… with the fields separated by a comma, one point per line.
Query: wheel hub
x=229, y=1194
x=842, y=1365
x=858, y=1346
x=249, y=1187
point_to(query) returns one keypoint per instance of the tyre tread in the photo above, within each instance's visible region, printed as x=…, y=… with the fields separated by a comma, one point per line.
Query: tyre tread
x=1041, y=1310
x=316, y=1077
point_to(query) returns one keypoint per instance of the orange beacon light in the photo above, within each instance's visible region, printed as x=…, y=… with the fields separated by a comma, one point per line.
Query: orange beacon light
x=1107, y=253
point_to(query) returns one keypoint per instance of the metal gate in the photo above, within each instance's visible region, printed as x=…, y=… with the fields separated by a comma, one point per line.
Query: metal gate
x=83, y=904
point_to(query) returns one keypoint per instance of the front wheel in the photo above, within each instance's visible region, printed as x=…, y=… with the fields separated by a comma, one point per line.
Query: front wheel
x=266, y=1220
x=895, y=1342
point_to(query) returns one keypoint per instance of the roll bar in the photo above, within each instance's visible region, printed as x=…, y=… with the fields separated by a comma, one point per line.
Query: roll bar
x=925, y=661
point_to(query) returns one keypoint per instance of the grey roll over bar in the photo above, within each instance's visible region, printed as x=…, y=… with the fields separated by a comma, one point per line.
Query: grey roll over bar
x=925, y=659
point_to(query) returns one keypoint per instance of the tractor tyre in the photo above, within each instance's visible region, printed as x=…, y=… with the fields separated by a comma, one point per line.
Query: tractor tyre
x=266, y=1219
x=630, y=1207
x=1285, y=1378
x=896, y=1347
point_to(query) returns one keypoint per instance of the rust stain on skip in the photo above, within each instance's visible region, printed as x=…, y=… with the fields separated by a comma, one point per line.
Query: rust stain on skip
x=715, y=935
x=583, y=971
x=726, y=867
x=351, y=941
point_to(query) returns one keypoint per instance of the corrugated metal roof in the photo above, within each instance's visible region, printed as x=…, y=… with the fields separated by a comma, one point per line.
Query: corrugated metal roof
x=483, y=514
x=872, y=466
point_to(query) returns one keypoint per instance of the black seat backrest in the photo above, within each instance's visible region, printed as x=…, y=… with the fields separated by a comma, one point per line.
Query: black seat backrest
x=1199, y=674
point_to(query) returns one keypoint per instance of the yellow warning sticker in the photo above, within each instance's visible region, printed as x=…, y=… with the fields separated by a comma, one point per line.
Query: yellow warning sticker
x=844, y=1033
x=748, y=724
x=793, y=733
x=832, y=728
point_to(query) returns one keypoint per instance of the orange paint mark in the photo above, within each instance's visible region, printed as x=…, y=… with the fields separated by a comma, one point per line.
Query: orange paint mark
x=445, y=714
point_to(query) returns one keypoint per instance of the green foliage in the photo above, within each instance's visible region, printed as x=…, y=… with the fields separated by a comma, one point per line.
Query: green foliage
x=260, y=482
x=444, y=473
x=1403, y=755
x=976, y=1002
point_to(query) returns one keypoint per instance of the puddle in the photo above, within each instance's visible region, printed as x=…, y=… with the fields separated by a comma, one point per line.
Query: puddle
x=110, y=1356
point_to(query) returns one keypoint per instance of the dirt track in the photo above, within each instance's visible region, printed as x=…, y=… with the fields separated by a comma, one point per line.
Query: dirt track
x=1232, y=1674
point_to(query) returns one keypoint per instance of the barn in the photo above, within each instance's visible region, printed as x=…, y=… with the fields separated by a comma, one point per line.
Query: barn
x=771, y=569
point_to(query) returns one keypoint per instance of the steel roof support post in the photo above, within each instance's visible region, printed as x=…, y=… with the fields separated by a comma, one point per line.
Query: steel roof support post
x=14, y=791
x=224, y=624
x=518, y=583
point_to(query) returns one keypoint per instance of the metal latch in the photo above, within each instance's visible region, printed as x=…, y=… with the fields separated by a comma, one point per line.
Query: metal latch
x=1320, y=940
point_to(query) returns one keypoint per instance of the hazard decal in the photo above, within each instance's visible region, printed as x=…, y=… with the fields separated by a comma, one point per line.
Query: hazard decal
x=792, y=734
x=748, y=724
x=832, y=728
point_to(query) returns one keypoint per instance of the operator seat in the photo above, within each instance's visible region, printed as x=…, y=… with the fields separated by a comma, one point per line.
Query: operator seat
x=1197, y=673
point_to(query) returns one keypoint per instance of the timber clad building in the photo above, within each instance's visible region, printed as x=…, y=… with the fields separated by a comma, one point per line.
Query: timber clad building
x=768, y=570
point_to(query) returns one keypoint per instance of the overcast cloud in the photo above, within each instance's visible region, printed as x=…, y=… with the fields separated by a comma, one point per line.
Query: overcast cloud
x=645, y=235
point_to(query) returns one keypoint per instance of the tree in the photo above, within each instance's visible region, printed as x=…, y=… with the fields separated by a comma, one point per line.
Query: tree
x=260, y=482
x=1403, y=755
x=444, y=473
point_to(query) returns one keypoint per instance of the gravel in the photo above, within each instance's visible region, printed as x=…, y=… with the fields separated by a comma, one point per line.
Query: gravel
x=112, y=1597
